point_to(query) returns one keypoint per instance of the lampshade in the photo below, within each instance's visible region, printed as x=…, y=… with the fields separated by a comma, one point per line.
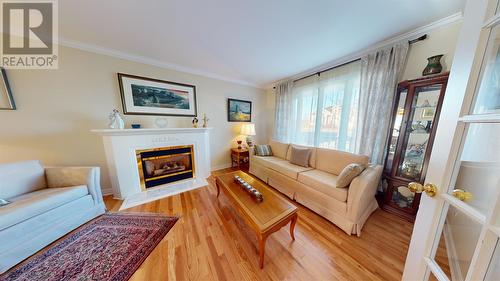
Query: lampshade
x=248, y=129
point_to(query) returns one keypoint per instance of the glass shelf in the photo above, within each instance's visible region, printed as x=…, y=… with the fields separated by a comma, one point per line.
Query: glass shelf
x=420, y=125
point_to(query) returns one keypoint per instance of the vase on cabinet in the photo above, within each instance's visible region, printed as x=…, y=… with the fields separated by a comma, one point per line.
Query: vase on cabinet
x=433, y=65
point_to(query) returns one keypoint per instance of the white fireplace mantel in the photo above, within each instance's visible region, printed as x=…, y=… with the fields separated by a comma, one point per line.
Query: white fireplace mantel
x=147, y=131
x=120, y=146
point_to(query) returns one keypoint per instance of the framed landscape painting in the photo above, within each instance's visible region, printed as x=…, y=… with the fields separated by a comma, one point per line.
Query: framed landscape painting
x=239, y=110
x=147, y=96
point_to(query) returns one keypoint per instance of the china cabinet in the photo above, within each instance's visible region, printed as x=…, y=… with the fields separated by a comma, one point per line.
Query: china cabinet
x=413, y=126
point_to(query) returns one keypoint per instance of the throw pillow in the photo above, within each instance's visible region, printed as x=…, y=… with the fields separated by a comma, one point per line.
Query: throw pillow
x=348, y=174
x=263, y=150
x=3, y=202
x=300, y=156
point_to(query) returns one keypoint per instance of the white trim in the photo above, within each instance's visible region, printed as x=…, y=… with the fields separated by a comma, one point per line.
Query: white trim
x=492, y=22
x=150, y=61
x=147, y=131
x=438, y=272
x=468, y=210
x=417, y=32
x=480, y=118
x=495, y=229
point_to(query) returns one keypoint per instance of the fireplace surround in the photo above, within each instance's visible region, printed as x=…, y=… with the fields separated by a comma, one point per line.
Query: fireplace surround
x=121, y=148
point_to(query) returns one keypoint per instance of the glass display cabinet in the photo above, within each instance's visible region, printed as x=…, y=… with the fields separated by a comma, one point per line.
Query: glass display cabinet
x=413, y=126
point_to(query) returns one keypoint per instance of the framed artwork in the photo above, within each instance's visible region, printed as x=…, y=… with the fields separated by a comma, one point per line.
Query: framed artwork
x=6, y=98
x=239, y=110
x=147, y=96
x=428, y=113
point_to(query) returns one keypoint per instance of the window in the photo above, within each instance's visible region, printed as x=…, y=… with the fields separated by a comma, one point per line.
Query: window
x=324, y=109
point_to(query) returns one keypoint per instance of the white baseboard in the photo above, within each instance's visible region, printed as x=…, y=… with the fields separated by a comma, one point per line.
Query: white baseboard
x=221, y=166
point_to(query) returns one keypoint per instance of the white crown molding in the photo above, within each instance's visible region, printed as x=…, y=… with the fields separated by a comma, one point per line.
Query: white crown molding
x=412, y=34
x=149, y=61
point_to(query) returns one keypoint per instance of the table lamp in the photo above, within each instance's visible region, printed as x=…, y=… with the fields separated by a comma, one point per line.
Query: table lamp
x=249, y=131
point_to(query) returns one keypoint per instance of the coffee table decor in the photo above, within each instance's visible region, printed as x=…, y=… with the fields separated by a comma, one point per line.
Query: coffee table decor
x=249, y=188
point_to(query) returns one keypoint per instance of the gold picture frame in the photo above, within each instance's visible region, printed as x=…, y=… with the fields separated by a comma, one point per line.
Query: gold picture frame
x=428, y=113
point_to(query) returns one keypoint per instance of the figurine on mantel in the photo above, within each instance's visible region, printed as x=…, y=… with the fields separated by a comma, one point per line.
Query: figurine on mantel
x=116, y=120
x=205, y=120
x=195, y=122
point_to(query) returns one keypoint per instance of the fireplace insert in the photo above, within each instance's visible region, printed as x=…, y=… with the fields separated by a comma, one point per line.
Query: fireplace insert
x=165, y=165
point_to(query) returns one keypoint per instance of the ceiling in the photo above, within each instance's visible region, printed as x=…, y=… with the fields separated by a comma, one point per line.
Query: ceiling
x=255, y=42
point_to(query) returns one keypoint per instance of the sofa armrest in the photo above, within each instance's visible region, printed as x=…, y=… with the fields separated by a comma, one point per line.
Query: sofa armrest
x=251, y=151
x=362, y=191
x=71, y=176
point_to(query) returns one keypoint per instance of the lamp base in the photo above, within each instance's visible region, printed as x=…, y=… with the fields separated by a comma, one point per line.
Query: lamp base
x=249, y=141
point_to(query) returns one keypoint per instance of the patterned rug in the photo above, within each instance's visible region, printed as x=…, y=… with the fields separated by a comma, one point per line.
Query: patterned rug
x=110, y=247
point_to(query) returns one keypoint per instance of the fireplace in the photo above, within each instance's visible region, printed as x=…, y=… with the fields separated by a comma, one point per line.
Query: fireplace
x=164, y=165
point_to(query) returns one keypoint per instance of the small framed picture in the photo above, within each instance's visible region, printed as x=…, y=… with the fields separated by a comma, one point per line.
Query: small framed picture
x=147, y=96
x=6, y=98
x=428, y=113
x=239, y=110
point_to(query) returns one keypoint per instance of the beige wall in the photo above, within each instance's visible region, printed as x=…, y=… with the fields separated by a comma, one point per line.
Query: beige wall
x=57, y=108
x=439, y=41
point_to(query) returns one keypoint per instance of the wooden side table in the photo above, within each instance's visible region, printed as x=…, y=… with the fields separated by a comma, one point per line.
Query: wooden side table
x=238, y=157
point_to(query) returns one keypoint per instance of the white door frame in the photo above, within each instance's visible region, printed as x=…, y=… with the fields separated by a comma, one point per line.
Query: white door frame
x=457, y=100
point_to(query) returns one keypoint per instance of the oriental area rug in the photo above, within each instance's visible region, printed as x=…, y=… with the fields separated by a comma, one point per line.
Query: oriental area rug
x=110, y=247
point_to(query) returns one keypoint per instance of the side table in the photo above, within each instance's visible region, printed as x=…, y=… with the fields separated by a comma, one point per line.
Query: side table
x=239, y=157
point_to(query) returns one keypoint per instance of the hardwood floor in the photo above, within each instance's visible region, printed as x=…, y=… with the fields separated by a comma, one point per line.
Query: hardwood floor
x=211, y=242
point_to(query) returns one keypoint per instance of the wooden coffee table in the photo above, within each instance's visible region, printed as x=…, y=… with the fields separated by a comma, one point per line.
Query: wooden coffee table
x=264, y=217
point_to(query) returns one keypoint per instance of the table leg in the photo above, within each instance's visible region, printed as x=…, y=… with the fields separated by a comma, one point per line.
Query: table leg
x=292, y=225
x=262, y=249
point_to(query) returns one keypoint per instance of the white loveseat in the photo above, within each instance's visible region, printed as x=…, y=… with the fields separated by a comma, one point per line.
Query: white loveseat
x=314, y=186
x=46, y=203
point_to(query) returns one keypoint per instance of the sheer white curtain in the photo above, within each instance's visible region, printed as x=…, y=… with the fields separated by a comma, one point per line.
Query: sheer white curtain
x=321, y=110
x=283, y=103
x=380, y=72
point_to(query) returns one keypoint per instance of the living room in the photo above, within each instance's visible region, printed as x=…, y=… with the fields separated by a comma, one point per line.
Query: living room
x=227, y=140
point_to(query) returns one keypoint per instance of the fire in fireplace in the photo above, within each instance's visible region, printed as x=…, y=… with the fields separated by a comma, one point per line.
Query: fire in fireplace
x=165, y=165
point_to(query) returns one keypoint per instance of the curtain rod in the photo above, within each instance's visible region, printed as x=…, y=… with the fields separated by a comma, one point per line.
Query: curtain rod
x=421, y=38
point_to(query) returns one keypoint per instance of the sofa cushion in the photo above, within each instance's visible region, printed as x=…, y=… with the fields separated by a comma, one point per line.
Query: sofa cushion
x=300, y=156
x=20, y=178
x=348, y=174
x=312, y=158
x=31, y=204
x=323, y=182
x=334, y=161
x=288, y=169
x=279, y=149
x=265, y=160
x=263, y=150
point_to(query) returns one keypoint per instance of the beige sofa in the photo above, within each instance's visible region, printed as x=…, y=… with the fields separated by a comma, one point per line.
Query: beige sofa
x=314, y=186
